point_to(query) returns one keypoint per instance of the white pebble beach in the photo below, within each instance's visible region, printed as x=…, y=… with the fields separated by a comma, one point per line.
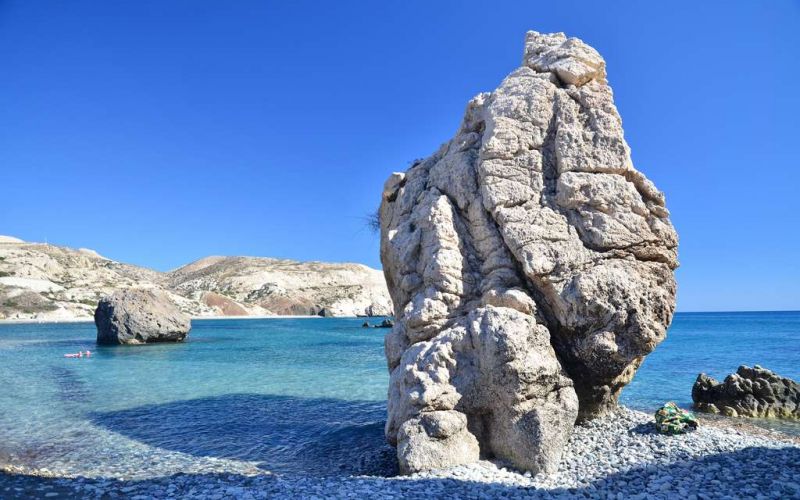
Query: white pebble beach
x=617, y=456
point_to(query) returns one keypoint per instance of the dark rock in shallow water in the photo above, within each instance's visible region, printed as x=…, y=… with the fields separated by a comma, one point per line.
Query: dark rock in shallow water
x=387, y=323
x=750, y=392
x=139, y=316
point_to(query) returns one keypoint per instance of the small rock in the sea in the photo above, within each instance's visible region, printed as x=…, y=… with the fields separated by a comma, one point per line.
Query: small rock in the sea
x=750, y=392
x=386, y=323
x=138, y=316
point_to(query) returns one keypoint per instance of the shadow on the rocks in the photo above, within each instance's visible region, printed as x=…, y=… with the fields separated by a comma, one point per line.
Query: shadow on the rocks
x=644, y=428
x=283, y=434
x=649, y=428
x=743, y=474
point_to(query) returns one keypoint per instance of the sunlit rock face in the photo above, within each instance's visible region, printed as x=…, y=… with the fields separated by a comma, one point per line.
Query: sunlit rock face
x=530, y=266
x=750, y=392
x=140, y=316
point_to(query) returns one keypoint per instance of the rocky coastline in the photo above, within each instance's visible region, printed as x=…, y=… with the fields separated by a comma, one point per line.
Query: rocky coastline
x=531, y=271
x=750, y=392
x=616, y=456
x=48, y=283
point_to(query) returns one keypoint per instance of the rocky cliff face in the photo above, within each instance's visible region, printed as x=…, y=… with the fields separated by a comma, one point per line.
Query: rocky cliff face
x=530, y=266
x=47, y=282
x=284, y=287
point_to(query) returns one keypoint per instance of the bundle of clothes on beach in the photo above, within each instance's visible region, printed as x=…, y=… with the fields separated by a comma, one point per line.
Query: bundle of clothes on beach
x=672, y=420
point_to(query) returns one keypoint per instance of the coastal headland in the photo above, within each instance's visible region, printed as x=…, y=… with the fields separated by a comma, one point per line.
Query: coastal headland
x=44, y=282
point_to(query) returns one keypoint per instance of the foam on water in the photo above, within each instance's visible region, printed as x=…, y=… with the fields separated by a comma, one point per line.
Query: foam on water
x=285, y=395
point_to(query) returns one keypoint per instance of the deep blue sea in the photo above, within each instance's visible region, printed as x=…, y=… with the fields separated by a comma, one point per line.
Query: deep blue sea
x=286, y=395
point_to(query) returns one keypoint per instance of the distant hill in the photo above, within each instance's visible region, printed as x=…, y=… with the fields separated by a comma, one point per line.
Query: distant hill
x=48, y=282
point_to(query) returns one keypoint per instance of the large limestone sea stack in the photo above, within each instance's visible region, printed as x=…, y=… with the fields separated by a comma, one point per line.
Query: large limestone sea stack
x=530, y=266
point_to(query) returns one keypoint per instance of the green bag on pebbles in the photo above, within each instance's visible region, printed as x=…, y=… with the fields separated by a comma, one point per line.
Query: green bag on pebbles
x=672, y=420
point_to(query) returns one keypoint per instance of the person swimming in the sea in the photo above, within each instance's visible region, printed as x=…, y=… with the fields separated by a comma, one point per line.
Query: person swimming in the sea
x=79, y=354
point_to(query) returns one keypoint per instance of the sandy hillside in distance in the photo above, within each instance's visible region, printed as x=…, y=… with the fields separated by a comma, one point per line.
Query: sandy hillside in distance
x=46, y=282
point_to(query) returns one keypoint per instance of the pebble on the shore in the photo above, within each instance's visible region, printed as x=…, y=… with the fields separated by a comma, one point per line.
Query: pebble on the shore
x=617, y=456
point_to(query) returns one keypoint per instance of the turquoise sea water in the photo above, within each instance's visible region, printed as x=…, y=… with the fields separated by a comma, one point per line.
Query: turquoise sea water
x=287, y=395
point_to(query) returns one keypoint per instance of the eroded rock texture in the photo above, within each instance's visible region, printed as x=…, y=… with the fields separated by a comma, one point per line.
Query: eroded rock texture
x=530, y=266
x=139, y=316
x=750, y=392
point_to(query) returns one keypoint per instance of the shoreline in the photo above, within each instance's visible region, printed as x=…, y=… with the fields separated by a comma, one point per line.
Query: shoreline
x=16, y=321
x=194, y=318
x=616, y=456
x=290, y=316
x=747, y=426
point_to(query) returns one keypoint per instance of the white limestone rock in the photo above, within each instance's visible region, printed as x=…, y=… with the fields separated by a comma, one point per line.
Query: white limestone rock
x=283, y=287
x=530, y=265
x=435, y=440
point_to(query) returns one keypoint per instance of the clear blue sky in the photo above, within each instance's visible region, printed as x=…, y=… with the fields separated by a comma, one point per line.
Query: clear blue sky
x=158, y=132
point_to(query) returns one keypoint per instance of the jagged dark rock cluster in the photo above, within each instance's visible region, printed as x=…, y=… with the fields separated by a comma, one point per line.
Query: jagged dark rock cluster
x=750, y=392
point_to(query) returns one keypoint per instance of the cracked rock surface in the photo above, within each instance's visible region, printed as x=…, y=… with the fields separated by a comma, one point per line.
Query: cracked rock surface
x=530, y=266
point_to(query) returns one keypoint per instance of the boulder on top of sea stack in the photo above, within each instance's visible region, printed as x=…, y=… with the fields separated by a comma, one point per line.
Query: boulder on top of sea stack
x=139, y=316
x=530, y=266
